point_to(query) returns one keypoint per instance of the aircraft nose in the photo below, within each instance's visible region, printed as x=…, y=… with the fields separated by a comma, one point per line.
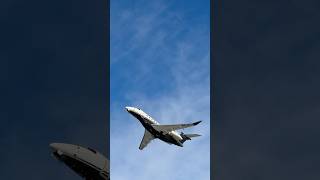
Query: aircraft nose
x=55, y=146
x=128, y=108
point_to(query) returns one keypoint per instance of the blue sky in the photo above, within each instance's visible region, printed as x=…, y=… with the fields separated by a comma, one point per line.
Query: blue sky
x=160, y=63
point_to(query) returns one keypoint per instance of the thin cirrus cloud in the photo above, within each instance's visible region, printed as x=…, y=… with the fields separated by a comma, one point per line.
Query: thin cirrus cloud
x=160, y=63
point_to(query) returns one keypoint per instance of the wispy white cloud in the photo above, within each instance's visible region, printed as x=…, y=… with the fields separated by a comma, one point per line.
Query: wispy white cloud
x=160, y=39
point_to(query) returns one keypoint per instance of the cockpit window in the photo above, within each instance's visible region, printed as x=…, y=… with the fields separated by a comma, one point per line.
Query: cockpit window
x=92, y=150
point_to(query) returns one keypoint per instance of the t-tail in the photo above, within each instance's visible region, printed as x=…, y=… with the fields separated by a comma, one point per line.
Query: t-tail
x=187, y=136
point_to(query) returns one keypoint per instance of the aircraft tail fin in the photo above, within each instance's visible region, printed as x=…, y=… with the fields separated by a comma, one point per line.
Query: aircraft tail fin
x=188, y=136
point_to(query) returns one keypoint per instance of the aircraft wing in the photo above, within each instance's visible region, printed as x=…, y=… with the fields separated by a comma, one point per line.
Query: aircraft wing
x=147, y=138
x=168, y=128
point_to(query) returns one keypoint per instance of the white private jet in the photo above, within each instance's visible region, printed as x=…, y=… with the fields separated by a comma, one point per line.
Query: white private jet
x=88, y=163
x=154, y=130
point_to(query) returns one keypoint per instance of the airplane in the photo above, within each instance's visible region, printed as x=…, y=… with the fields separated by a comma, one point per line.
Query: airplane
x=166, y=133
x=86, y=162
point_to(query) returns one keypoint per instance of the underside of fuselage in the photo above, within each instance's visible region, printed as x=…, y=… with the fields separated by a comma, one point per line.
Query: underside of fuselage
x=160, y=135
x=83, y=169
x=169, y=139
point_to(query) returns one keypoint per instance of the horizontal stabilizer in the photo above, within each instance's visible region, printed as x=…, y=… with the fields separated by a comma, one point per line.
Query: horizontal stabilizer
x=192, y=135
x=187, y=136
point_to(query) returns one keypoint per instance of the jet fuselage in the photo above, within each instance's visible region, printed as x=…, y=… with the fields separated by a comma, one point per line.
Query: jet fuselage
x=172, y=137
x=86, y=162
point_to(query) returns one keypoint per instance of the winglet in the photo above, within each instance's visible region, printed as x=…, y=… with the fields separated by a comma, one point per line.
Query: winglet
x=196, y=123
